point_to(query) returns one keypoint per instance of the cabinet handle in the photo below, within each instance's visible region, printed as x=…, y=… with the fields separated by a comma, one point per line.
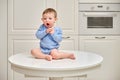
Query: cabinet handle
x=66, y=37
x=100, y=6
x=100, y=37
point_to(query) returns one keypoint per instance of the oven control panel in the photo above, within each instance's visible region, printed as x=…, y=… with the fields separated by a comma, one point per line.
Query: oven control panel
x=99, y=7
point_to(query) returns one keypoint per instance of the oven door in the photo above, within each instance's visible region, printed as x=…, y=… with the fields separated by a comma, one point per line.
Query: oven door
x=99, y=23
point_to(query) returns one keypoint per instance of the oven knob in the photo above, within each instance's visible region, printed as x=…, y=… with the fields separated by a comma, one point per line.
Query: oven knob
x=107, y=8
x=92, y=8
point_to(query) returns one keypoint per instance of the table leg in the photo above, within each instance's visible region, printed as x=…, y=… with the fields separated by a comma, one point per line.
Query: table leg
x=55, y=78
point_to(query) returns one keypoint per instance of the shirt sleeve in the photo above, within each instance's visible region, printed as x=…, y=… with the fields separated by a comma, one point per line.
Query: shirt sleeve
x=41, y=32
x=57, y=35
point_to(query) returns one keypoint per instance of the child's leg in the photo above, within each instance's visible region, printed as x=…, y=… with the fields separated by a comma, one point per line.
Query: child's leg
x=59, y=55
x=38, y=54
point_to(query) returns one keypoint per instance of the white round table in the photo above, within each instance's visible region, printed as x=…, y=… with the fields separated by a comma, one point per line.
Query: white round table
x=56, y=69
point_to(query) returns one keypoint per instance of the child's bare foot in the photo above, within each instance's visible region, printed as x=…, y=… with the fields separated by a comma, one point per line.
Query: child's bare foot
x=71, y=56
x=48, y=57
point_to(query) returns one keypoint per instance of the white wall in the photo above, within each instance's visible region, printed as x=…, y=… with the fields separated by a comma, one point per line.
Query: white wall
x=3, y=39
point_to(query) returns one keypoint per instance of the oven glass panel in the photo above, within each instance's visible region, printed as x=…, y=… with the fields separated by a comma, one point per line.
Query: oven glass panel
x=100, y=22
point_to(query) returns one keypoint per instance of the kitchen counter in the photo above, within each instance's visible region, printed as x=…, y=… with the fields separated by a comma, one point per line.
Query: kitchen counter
x=56, y=69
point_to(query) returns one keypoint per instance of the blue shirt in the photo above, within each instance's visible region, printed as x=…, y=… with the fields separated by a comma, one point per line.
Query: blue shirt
x=49, y=41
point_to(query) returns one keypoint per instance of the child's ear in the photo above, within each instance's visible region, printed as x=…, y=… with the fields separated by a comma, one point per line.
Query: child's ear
x=56, y=19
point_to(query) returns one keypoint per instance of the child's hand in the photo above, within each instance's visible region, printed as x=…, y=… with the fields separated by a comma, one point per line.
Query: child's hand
x=50, y=30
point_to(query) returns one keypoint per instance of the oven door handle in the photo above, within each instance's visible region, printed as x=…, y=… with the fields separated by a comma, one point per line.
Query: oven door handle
x=100, y=14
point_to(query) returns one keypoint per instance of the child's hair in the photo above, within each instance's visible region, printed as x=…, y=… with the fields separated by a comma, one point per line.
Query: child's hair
x=50, y=10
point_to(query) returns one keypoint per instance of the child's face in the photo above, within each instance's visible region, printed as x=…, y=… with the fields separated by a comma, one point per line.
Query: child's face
x=48, y=19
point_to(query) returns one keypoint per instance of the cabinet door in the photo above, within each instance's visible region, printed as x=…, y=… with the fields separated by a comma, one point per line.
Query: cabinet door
x=24, y=16
x=21, y=44
x=67, y=15
x=69, y=43
x=23, y=20
x=109, y=48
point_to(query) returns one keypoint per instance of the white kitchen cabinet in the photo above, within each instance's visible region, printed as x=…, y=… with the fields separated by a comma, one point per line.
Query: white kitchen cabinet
x=21, y=44
x=69, y=42
x=67, y=15
x=24, y=43
x=24, y=18
x=109, y=48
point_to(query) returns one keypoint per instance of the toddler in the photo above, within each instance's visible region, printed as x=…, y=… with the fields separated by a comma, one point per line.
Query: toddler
x=50, y=36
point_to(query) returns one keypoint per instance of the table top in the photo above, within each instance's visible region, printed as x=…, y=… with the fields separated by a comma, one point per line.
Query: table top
x=83, y=60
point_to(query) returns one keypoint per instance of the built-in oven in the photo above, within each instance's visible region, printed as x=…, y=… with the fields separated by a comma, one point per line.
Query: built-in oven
x=99, y=19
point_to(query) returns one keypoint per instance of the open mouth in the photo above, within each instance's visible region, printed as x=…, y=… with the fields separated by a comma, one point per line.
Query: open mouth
x=47, y=24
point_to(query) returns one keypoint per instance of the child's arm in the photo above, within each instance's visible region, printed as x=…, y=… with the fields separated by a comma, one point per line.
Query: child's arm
x=41, y=32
